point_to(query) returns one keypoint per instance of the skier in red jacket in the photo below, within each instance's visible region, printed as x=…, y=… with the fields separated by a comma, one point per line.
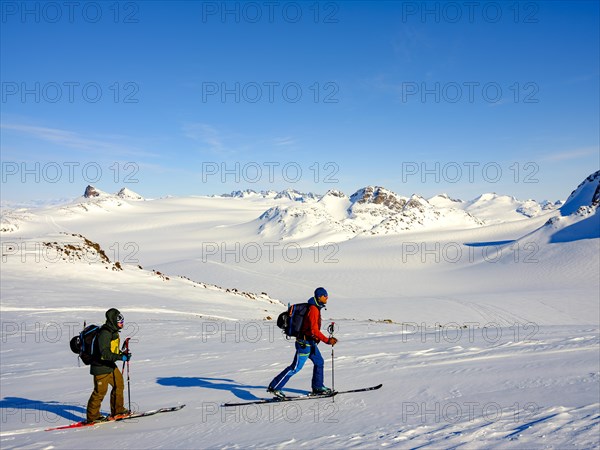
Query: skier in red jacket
x=306, y=348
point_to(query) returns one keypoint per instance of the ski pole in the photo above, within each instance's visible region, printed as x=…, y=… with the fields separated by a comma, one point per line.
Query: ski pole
x=124, y=350
x=331, y=329
x=126, y=347
x=128, y=379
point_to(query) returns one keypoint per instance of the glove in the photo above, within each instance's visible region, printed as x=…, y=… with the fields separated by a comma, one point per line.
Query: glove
x=126, y=356
x=332, y=341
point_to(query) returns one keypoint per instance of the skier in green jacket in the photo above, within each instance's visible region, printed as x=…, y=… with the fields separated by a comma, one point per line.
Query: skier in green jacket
x=105, y=371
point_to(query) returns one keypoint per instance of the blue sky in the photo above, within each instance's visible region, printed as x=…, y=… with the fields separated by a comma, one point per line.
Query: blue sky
x=193, y=98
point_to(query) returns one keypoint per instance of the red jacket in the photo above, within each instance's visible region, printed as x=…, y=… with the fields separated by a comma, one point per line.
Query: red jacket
x=311, y=327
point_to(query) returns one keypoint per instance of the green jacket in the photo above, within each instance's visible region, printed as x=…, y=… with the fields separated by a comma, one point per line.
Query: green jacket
x=109, y=345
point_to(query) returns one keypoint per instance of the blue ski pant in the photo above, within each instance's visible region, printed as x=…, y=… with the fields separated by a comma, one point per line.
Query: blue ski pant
x=304, y=350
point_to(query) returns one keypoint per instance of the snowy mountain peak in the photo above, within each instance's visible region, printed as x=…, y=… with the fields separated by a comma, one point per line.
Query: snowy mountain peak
x=416, y=201
x=488, y=196
x=419, y=214
x=287, y=194
x=444, y=197
x=495, y=208
x=297, y=196
x=587, y=194
x=242, y=194
x=129, y=194
x=290, y=194
x=493, y=197
x=333, y=193
x=92, y=192
x=377, y=195
x=579, y=217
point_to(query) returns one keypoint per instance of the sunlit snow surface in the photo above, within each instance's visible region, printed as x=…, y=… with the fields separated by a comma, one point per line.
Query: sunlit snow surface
x=484, y=336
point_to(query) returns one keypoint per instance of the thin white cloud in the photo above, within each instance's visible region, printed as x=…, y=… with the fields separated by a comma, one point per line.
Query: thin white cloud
x=206, y=134
x=572, y=154
x=217, y=141
x=104, y=144
x=279, y=141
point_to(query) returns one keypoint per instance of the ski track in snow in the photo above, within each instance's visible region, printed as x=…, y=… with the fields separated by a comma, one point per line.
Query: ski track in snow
x=52, y=310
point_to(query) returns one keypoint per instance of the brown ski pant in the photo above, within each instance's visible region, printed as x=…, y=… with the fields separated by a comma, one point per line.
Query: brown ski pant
x=101, y=383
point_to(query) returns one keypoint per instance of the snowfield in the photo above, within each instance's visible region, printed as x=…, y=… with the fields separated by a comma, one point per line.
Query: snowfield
x=480, y=320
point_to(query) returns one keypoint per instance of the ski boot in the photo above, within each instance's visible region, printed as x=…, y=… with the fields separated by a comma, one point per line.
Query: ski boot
x=322, y=391
x=276, y=392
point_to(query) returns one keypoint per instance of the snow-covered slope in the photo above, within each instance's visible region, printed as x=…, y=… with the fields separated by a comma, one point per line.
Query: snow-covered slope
x=93, y=201
x=419, y=214
x=579, y=217
x=586, y=195
x=484, y=335
x=374, y=210
x=494, y=208
x=327, y=219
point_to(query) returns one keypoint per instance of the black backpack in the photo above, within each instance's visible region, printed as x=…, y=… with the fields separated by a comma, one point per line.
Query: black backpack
x=85, y=344
x=291, y=320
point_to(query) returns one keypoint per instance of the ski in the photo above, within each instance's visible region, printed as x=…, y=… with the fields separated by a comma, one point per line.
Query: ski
x=371, y=388
x=118, y=418
x=300, y=397
x=280, y=399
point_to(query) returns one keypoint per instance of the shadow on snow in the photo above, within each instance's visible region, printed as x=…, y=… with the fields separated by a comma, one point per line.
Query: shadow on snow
x=241, y=391
x=37, y=410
